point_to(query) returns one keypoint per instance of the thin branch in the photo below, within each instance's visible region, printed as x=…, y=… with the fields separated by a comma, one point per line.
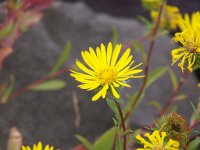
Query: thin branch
x=193, y=138
x=45, y=78
x=146, y=69
x=195, y=124
x=122, y=122
x=171, y=99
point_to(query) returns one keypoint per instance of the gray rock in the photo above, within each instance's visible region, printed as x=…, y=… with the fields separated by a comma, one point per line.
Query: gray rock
x=49, y=116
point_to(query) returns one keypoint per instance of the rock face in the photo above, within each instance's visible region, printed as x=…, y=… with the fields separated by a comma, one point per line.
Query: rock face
x=49, y=116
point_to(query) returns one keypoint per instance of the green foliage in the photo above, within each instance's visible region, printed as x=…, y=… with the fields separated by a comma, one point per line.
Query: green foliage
x=139, y=48
x=151, y=4
x=196, y=114
x=180, y=97
x=194, y=144
x=145, y=21
x=54, y=84
x=105, y=141
x=115, y=35
x=155, y=104
x=84, y=141
x=117, y=122
x=63, y=58
x=8, y=90
x=173, y=78
x=4, y=32
x=197, y=61
x=113, y=107
x=155, y=74
x=131, y=100
x=176, y=128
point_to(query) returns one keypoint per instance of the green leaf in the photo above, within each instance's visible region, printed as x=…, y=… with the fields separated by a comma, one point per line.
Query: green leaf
x=180, y=97
x=115, y=35
x=145, y=21
x=49, y=85
x=155, y=74
x=105, y=142
x=194, y=144
x=113, y=107
x=173, y=78
x=131, y=100
x=63, y=58
x=139, y=48
x=155, y=104
x=8, y=90
x=163, y=32
x=118, y=145
x=84, y=141
x=6, y=30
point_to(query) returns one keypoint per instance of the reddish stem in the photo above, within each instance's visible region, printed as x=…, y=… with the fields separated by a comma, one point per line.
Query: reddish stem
x=122, y=122
x=27, y=88
x=146, y=69
x=171, y=99
x=195, y=124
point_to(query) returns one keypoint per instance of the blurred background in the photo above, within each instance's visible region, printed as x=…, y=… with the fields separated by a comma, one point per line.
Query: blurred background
x=55, y=116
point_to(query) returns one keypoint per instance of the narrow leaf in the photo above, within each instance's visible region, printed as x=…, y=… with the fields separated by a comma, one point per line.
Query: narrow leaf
x=105, y=141
x=6, y=30
x=145, y=21
x=194, y=144
x=84, y=141
x=180, y=97
x=155, y=74
x=131, y=101
x=155, y=104
x=139, y=48
x=115, y=35
x=8, y=90
x=49, y=85
x=63, y=58
x=113, y=107
x=173, y=78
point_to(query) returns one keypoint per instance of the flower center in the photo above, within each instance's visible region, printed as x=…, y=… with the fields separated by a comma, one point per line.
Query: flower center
x=107, y=76
x=191, y=48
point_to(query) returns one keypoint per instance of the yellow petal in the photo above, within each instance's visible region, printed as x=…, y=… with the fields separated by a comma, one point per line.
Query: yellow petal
x=124, y=58
x=98, y=95
x=109, y=53
x=85, y=69
x=114, y=92
x=115, y=54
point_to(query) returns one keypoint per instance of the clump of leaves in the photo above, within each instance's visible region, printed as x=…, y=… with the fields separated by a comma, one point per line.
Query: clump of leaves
x=176, y=128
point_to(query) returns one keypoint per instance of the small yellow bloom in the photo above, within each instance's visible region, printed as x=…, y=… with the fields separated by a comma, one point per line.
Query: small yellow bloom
x=156, y=142
x=187, y=23
x=169, y=19
x=38, y=147
x=199, y=85
x=105, y=71
x=190, y=40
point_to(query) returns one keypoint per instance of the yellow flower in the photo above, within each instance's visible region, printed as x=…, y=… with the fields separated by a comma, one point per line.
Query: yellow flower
x=199, y=85
x=169, y=18
x=38, y=147
x=156, y=142
x=185, y=23
x=105, y=71
x=190, y=50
